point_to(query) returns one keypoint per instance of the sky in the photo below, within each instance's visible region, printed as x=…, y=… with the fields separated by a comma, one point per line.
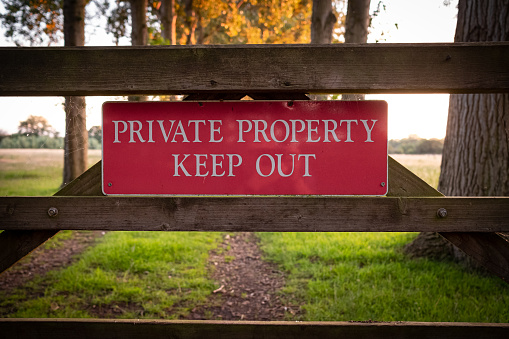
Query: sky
x=402, y=21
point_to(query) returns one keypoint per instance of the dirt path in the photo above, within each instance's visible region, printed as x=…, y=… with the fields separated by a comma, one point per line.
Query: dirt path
x=249, y=286
x=248, y=289
x=42, y=260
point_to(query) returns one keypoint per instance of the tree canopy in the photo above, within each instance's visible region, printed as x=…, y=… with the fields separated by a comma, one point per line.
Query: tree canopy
x=37, y=126
x=36, y=22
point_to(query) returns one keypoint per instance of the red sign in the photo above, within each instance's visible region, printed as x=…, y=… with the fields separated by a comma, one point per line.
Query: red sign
x=245, y=148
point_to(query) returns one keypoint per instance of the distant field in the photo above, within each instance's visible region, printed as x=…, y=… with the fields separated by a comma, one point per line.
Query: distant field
x=34, y=172
x=426, y=166
x=39, y=171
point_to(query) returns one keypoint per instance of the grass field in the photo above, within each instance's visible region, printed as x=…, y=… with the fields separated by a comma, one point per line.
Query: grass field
x=28, y=172
x=426, y=166
x=334, y=276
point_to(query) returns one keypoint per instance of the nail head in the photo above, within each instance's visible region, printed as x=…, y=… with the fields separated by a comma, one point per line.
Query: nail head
x=52, y=211
x=442, y=213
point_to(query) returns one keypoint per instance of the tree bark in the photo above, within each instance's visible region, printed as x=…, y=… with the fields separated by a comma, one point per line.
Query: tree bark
x=169, y=21
x=475, y=159
x=139, y=32
x=356, y=31
x=357, y=21
x=191, y=22
x=76, y=135
x=322, y=22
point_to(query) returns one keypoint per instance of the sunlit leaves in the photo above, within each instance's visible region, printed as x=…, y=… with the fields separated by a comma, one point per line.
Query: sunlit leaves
x=34, y=22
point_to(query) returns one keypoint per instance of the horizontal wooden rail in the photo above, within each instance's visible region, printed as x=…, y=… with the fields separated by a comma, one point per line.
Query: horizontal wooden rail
x=117, y=328
x=264, y=214
x=338, y=68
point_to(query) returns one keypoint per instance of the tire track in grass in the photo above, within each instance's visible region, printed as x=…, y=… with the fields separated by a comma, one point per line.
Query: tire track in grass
x=248, y=286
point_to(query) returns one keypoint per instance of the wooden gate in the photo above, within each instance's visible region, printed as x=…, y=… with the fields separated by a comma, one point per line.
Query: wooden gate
x=263, y=72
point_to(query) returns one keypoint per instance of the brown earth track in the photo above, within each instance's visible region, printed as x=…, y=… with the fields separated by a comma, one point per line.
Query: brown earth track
x=249, y=287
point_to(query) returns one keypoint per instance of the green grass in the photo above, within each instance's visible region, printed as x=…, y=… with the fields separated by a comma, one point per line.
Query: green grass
x=29, y=172
x=127, y=275
x=365, y=276
x=334, y=276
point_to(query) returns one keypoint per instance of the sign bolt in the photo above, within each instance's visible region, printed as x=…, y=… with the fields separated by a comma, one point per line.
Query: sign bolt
x=442, y=213
x=53, y=211
x=110, y=184
x=382, y=184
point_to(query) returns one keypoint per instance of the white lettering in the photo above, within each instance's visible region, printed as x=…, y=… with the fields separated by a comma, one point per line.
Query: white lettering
x=280, y=170
x=310, y=130
x=200, y=164
x=348, y=129
x=196, y=128
x=166, y=136
x=241, y=130
x=260, y=131
x=294, y=130
x=181, y=133
x=215, y=130
x=116, y=129
x=273, y=165
x=231, y=165
x=273, y=134
x=216, y=164
x=331, y=131
x=306, y=163
x=368, y=130
x=150, y=130
x=137, y=131
x=180, y=165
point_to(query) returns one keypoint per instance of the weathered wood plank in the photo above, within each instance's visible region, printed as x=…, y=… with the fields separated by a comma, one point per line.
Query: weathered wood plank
x=117, y=328
x=489, y=249
x=17, y=244
x=256, y=214
x=337, y=68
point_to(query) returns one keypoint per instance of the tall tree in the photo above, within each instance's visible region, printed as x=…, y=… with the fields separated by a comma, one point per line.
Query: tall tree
x=475, y=159
x=356, y=30
x=322, y=22
x=42, y=22
x=139, y=33
x=36, y=125
x=168, y=21
x=357, y=21
x=76, y=135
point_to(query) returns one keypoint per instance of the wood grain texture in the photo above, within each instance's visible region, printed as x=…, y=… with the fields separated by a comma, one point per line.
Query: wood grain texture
x=126, y=329
x=256, y=214
x=15, y=244
x=489, y=249
x=337, y=68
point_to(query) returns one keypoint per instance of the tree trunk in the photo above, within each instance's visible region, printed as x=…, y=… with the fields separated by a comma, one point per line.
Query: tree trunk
x=356, y=30
x=76, y=135
x=139, y=33
x=475, y=159
x=169, y=21
x=357, y=21
x=191, y=22
x=322, y=22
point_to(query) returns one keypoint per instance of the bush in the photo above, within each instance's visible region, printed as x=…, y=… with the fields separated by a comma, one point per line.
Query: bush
x=31, y=141
x=415, y=145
